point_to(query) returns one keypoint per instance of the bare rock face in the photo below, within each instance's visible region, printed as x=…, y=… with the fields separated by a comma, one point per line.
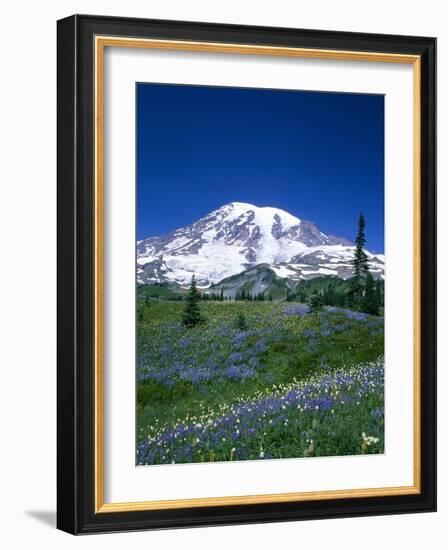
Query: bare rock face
x=239, y=236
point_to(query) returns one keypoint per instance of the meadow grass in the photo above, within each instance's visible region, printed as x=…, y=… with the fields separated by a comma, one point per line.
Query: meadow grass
x=289, y=385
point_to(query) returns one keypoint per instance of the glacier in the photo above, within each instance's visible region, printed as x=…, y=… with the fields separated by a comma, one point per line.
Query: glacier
x=238, y=236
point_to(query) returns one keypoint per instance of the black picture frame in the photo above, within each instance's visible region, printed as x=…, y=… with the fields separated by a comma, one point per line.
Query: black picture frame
x=76, y=272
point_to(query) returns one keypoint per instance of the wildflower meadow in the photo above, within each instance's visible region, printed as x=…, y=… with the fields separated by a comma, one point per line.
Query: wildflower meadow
x=257, y=381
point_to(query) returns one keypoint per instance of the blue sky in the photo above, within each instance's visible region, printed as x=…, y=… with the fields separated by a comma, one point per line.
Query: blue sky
x=320, y=156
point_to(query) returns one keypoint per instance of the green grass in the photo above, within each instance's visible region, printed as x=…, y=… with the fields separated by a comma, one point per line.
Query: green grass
x=159, y=291
x=288, y=352
x=184, y=373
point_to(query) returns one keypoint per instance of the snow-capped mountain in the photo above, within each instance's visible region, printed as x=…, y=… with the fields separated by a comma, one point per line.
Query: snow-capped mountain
x=239, y=236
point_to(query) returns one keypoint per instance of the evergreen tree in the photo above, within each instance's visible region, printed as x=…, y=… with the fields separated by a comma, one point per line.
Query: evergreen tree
x=360, y=268
x=360, y=265
x=379, y=293
x=315, y=304
x=221, y=296
x=191, y=315
x=330, y=296
x=140, y=315
x=355, y=293
x=370, y=299
x=241, y=323
x=343, y=300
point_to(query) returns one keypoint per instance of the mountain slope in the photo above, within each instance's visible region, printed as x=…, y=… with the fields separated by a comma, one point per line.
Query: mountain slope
x=260, y=279
x=263, y=280
x=239, y=236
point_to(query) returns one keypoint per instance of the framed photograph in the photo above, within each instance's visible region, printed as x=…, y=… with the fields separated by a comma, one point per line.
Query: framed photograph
x=246, y=274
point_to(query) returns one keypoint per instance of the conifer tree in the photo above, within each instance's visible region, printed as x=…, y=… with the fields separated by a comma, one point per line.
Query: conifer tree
x=360, y=265
x=315, y=304
x=370, y=299
x=241, y=323
x=140, y=315
x=379, y=293
x=330, y=296
x=191, y=315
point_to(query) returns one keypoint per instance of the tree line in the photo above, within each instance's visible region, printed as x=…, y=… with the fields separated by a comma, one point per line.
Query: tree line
x=240, y=296
x=360, y=293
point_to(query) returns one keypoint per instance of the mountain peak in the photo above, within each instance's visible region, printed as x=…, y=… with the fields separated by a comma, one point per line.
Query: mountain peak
x=235, y=237
x=268, y=213
x=239, y=205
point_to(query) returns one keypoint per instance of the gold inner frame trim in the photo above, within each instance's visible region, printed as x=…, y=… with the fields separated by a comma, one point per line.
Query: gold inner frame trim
x=101, y=42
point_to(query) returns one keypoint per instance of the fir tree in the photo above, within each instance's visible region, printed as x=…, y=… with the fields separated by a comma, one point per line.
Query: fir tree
x=315, y=304
x=360, y=265
x=355, y=293
x=370, y=299
x=379, y=293
x=330, y=296
x=140, y=315
x=241, y=323
x=191, y=315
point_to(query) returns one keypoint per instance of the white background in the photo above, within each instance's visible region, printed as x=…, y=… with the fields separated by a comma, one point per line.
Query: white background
x=27, y=285
x=125, y=483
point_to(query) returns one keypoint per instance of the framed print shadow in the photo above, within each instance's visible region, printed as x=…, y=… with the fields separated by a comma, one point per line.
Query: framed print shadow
x=246, y=274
